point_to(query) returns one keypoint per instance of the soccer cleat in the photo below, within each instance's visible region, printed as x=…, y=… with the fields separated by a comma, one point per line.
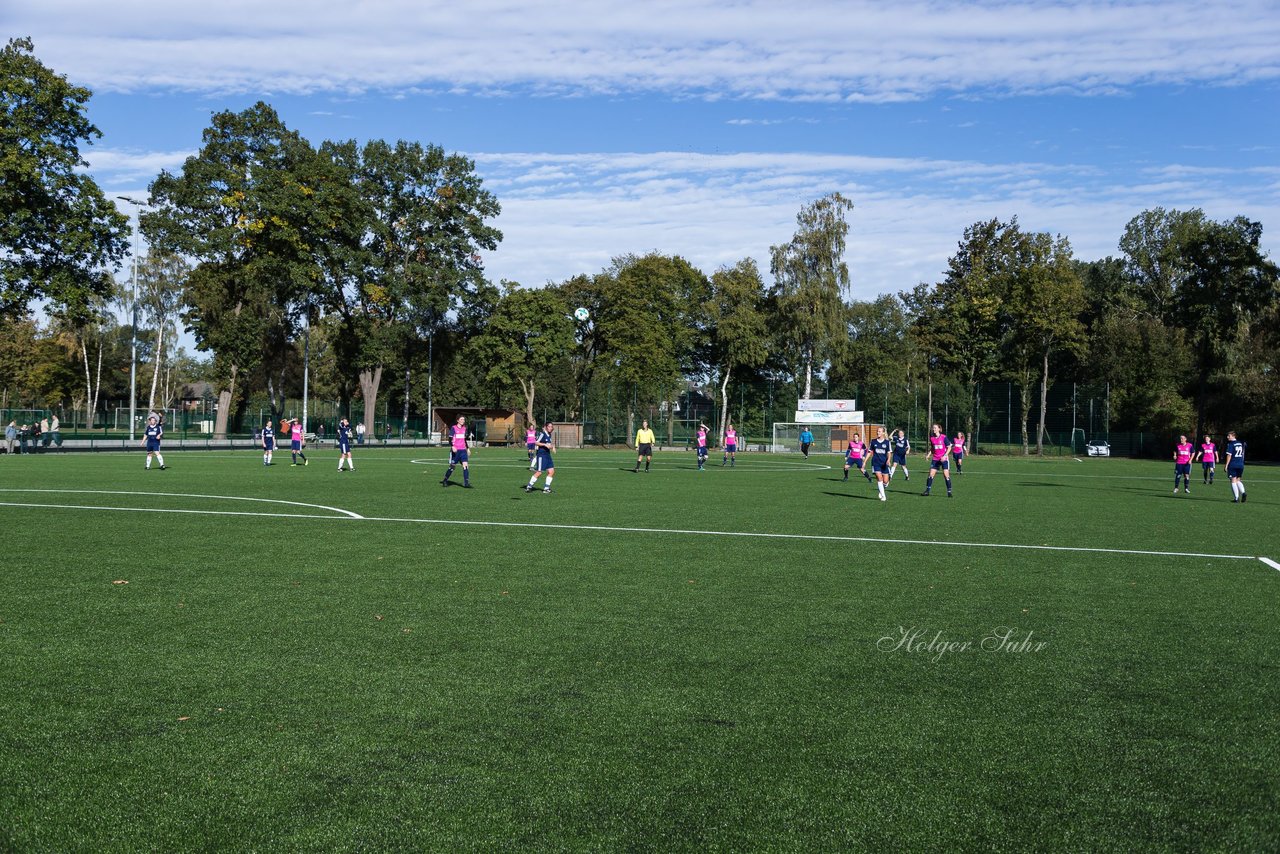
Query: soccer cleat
x=466, y=486
x=306, y=462
x=882, y=498
x=546, y=490
x=162, y=468
x=528, y=488
x=1244, y=496
x=1186, y=491
x=1235, y=501
x=949, y=495
x=926, y=492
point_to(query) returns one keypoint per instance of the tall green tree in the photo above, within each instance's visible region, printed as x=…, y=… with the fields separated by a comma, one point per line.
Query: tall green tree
x=528, y=333
x=957, y=323
x=738, y=331
x=404, y=254
x=1042, y=310
x=811, y=280
x=1207, y=279
x=243, y=208
x=1230, y=282
x=162, y=282
x=60, y=238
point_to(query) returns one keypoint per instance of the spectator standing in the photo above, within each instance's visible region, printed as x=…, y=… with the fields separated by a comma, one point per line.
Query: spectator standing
x=11, y=437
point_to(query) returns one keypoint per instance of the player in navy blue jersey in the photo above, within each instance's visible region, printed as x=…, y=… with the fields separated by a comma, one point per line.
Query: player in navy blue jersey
x=880, y=447
x=268, y=442
x=344, y=444
x=1235, y=467
x=542, y=461
x=151, y=440
x=901, y=447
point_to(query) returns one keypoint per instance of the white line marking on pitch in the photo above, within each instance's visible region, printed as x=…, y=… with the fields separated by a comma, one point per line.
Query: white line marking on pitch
x=186, y=495
x=619, y=529
x=255, y=514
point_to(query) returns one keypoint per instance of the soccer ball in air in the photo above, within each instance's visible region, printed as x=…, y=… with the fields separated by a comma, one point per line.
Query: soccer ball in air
x=582, y=314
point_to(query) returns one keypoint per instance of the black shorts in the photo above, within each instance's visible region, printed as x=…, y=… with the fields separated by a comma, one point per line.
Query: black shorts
x=645, y=450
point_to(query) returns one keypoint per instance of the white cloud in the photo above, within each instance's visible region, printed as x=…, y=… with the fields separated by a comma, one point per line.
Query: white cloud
x=825, y=50
x=566, y=214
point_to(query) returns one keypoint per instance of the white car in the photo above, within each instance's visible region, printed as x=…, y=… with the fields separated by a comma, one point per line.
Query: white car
x=1098, y=448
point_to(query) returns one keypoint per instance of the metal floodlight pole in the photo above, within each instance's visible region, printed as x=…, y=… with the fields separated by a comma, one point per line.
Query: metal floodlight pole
x=133, y=357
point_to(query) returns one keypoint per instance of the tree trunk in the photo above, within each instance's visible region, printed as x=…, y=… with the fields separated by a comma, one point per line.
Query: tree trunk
x=404, y=424
x=224, y=407
x=928, y=428
x=724, y=400
x=1044, y=400
x=528, y=389
x=88, y=387
x=369, y=382
x=155, y=373
x=97, y=384
x=1024, y=399
x=808, y=372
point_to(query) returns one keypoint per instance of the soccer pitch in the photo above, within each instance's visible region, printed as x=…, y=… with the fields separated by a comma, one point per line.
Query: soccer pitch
x=1065, y=656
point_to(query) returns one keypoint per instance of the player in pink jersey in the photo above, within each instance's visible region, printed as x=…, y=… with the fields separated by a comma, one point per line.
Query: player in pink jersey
x=531, y=444
x=730, y=447
x=957, y=452
x=938, y=445
x=458, y=454
x=1208, y=456
x=297, y=441
x=1182, y=454
x=855, y=457
x=703, y=429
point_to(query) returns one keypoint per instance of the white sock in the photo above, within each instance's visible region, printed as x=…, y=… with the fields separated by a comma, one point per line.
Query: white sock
x=533, y=481
x=1233, y=486
x=880, y=484
x=160, y=459
x=548, y=481
x=1235, y=489
x=1242, y=487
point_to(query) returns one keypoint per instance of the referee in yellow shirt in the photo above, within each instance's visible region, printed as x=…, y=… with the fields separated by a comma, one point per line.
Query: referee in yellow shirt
x=644, y=446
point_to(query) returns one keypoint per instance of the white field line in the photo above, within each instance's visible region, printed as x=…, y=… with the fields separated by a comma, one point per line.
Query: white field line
x=179, y=495
x=1269, y=562
x=610, y=529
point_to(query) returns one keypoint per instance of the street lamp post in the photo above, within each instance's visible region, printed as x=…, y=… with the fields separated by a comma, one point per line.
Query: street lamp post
x=133, y=357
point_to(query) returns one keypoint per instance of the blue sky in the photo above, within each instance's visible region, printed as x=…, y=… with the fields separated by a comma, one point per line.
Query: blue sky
x=700, y=129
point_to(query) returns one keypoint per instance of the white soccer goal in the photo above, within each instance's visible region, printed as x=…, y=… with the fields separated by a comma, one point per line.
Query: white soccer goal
x=827, y=438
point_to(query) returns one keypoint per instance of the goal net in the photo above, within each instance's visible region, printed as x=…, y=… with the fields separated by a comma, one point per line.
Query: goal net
x=827, y=438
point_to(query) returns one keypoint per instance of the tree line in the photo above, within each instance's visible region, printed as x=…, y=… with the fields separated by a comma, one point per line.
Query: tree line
x=362, y=261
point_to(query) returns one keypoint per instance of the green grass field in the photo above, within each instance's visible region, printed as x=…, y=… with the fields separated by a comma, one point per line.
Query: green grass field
x=677, y=660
